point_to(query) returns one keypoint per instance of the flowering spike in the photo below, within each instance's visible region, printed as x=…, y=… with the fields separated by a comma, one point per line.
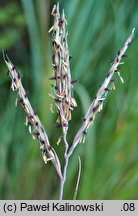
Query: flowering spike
x=61, y=65
x=103, y=90
x=31, y=117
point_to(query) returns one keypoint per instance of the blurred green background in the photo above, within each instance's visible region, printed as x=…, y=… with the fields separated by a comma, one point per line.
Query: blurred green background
x=97, y=29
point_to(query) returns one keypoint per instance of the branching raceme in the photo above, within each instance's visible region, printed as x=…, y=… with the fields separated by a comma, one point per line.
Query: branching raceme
x=61, y=93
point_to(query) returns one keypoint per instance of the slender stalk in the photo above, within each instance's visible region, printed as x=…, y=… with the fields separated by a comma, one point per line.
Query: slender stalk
x=66, y=158
x=63, y=180
x=78, y=179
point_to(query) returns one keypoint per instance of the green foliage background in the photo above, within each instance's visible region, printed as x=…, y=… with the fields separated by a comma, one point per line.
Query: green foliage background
x=97, y=29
